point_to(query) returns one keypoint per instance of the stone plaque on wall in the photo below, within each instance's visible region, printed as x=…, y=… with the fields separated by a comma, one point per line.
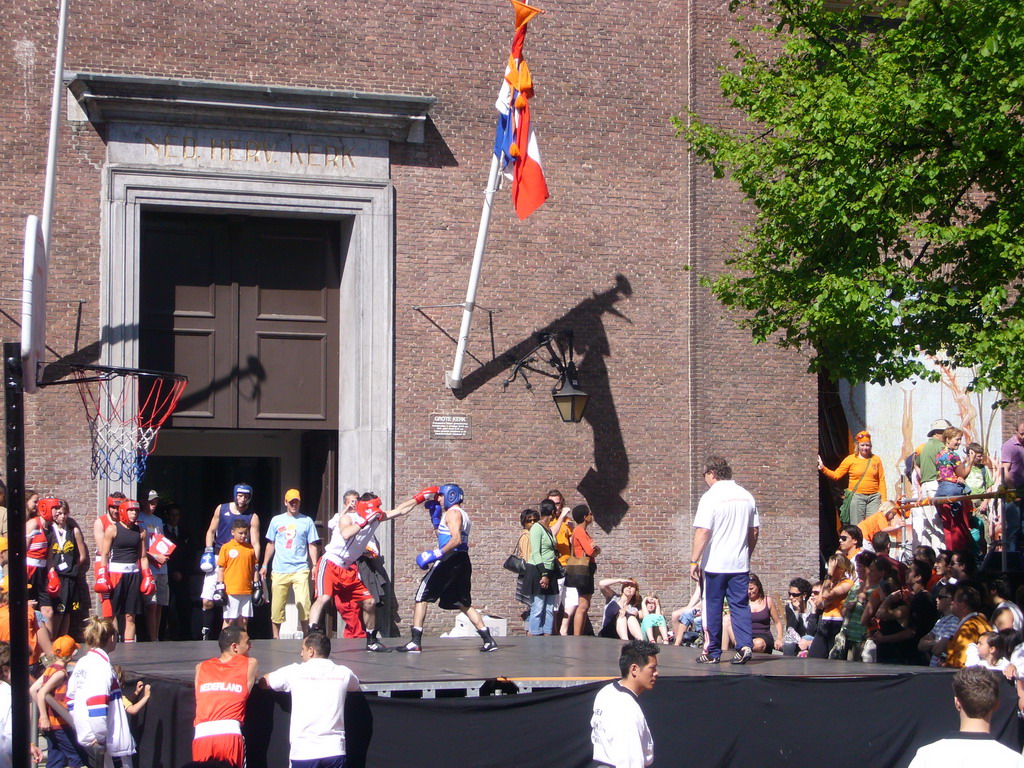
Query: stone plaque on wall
x=248, y=152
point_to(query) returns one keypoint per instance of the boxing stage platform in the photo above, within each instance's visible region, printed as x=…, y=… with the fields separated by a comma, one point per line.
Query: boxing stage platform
x=529, y=704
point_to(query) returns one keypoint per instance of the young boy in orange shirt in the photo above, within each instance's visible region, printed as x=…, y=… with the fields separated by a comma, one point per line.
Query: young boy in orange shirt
x=236, y=567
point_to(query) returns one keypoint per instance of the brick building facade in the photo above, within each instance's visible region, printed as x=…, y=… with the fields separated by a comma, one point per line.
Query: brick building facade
x=615, y=255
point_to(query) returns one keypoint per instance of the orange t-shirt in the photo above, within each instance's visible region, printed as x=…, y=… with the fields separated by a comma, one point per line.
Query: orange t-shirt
x=59, y=693
x=834, y=605
x=854, y=466
x=562, y=540
x=582, y=543
x=222, y=688
x=239, y=564
x=869, y=526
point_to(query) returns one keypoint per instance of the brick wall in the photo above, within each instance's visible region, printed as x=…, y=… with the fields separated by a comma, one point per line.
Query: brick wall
x=671, y=378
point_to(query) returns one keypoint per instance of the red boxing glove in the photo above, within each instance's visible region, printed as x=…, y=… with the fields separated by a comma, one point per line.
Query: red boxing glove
x=102, y=586
x=429, y=492
x=52, y=582
x=148, y=586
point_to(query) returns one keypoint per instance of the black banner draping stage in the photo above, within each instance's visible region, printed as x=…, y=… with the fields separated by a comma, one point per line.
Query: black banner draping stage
x=699, y=721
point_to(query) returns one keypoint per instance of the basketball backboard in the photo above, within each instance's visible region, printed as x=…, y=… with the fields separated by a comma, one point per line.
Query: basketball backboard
x=33, y=302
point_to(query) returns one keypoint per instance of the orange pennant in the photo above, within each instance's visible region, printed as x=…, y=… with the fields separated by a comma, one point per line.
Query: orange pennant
x=524, y=13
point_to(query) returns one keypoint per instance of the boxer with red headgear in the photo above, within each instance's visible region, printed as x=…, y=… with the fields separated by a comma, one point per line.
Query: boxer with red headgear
x=99, y=528
x=37, y=546
x=124, y=565
x=337, y=573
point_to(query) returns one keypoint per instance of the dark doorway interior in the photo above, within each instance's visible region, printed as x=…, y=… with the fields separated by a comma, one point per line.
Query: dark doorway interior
x=198, y=484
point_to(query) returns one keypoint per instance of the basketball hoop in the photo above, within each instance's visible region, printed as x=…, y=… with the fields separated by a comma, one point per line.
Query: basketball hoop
x=125, y=408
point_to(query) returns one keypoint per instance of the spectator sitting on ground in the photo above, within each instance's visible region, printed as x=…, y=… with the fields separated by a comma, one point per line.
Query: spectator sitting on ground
x=966, y=607
x=688, y=618
x=622, y=611
x=801, y=618
x=999, y=594
x=923, y=612
x=962, y=566
x=764, y=613
x=652, y=622
x=992, y=650
x=925, y=554
x=856, y=600
x=879, y=569
x=880, y=544
x=851, y=541
x=945, y=626
x=943, y=577
x=894, y=638
x=1002, y=618
x=834, y=590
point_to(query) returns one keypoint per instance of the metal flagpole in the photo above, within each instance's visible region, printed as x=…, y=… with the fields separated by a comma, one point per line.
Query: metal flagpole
x=51, y=149
x=454, y=378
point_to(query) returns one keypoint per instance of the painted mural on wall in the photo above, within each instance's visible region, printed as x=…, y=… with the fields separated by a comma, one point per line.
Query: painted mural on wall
x=898, y=416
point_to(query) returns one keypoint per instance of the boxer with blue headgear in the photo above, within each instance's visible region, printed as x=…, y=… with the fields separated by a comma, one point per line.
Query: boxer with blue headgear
x=219, y=533
x=448, y=580
x=451, y=495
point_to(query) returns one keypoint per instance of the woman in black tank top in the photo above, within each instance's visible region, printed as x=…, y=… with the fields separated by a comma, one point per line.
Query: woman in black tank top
x=124, y=559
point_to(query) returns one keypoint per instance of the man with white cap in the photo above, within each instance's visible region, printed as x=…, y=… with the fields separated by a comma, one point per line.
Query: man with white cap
x=292, y=541
x=927, y=530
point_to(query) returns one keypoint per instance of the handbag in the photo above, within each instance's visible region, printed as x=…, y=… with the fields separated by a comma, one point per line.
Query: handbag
x=558, y=572
x=577, y=571
x=838, y=650
x=844, y=506
x=515, y=564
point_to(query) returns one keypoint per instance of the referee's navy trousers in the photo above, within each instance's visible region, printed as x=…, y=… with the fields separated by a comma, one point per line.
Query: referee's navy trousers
x=718, y=586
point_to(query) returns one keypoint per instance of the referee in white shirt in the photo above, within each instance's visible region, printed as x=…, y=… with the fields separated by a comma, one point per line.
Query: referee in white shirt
x=619, y=729
x=318, y=687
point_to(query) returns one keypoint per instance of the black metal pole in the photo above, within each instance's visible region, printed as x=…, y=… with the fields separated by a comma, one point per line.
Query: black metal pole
x=17, y=580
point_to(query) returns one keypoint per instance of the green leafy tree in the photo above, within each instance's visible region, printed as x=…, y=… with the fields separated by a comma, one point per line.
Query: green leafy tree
x=884, y=155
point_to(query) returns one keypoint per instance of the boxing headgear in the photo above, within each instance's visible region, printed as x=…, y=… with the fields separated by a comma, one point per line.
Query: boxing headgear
x=243, y=488
x=113, y=502
x=362, y=507
x=45, y=508
x=451, y=495
x=122, y=511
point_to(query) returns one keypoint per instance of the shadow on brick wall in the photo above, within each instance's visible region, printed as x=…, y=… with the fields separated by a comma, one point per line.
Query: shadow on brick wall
x=604, y=482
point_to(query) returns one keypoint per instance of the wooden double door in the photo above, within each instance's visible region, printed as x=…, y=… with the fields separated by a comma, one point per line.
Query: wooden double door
x=248, y=308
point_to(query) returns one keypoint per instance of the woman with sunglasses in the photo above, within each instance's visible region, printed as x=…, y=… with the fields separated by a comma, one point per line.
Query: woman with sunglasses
x=865, y=478
x=526, y=519
x=851, y=540
x=834, y=590
x=801, y=618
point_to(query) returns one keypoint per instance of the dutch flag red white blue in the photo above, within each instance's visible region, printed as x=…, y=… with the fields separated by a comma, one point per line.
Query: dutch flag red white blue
x=515, y=141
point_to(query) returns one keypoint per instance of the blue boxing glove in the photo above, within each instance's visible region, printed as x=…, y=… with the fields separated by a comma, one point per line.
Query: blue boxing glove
x=436, y=513
x=207, y=564
x=424, y=559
